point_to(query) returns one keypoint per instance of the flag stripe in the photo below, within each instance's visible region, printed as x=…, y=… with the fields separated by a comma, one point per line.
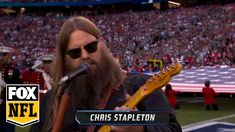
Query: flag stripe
x=192, y=80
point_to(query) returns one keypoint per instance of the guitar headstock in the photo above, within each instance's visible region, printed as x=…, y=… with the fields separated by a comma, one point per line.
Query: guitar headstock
x=161, y=79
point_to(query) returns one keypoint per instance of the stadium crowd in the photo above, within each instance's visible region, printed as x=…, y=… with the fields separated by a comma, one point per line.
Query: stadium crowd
x=196, y=37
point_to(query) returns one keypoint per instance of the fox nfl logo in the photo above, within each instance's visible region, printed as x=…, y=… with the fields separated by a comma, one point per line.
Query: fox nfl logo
x=22, y=104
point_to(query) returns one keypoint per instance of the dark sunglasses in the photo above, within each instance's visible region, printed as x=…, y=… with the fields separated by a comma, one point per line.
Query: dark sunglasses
x=3, y=53
x=47, y=61
x=90, y=48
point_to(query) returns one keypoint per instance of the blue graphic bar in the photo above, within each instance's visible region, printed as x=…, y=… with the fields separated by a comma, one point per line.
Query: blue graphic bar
x=109, y=117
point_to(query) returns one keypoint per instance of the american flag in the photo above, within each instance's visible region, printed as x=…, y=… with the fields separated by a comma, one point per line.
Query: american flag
x=192, y=80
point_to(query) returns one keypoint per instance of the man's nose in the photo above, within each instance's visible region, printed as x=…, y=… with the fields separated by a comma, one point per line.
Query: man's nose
x=84, y=54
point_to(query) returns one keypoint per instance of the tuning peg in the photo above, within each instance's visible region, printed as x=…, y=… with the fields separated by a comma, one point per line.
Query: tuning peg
x=152, y=81
x=154, y=76
x=168, y=68
x=159, y=75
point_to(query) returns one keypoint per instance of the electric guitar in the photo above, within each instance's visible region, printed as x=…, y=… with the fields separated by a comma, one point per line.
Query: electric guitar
x=157, y=81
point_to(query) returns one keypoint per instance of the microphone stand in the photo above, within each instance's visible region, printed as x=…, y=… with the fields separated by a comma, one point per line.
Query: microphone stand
x=65, y=99
x=63, y=106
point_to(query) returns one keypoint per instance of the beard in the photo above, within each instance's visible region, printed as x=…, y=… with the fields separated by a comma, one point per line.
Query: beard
x=88, y=90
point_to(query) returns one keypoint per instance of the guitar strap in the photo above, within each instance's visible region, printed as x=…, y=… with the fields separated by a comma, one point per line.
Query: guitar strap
x=105, y=99
x=101, y=106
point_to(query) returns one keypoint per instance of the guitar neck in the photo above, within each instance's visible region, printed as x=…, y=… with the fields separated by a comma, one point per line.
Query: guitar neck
x=135, y=99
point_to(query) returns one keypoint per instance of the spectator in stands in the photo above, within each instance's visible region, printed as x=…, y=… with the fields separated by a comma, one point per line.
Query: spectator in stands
x=143, y=35
x=171, y=95
x=209, y=96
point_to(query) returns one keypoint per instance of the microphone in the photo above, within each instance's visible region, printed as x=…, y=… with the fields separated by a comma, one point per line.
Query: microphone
x=84, y=68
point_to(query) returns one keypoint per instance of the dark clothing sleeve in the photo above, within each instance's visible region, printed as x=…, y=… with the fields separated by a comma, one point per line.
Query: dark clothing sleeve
x=155, y=101
x=158, y=102
x=43, y=111
x=16, y=76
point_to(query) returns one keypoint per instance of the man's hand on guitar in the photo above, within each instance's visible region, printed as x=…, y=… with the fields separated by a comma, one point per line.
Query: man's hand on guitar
x=127, y=128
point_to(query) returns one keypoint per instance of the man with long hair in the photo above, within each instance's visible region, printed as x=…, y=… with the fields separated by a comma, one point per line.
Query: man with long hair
x=79, y=41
